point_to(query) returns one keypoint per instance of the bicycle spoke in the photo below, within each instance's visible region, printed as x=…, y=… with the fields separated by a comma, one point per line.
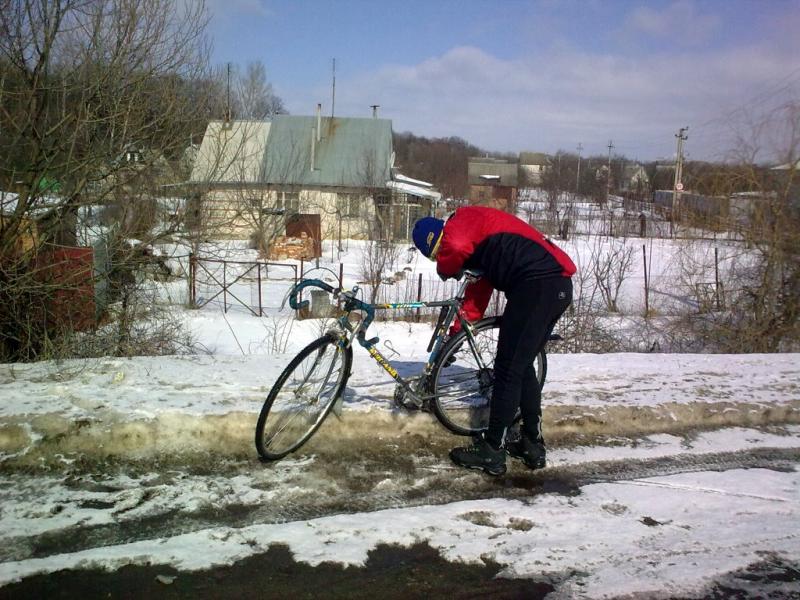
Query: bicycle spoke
x=465, y=400
x=268, y=441
x=300, y=403
x=463, y=390
x=460, y=378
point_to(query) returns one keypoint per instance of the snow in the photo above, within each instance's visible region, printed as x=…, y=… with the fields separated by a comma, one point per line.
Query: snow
x=667, y=534
x=674, y=532
x=216, y=385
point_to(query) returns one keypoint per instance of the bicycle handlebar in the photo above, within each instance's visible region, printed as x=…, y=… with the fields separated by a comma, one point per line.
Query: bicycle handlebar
x=351, y=302
x=304, y=284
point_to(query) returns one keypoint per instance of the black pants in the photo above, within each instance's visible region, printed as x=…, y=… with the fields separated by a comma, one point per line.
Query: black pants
x=532, y=309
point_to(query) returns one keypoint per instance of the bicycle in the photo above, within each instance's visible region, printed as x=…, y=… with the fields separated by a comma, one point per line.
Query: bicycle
x=455, y=383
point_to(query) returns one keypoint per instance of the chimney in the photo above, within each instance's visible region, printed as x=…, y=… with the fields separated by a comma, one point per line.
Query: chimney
x=319, y=122
x=375, y=108
x=313, y=147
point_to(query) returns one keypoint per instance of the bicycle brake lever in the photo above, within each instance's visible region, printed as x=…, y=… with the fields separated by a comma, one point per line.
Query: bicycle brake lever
x=369, y=342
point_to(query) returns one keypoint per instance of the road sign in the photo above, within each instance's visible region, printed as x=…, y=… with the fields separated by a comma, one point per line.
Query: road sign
x=679, y=187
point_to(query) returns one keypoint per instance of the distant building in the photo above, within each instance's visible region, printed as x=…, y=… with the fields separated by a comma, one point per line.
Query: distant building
x=789, y=166
x=47, y=219
x=634, y=178
x=338, y=169
x=532, y=166
x=738, y=208
x=412, y=199
x=493, y=182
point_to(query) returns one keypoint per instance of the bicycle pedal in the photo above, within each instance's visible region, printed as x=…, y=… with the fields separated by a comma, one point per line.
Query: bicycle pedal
x=411, y=405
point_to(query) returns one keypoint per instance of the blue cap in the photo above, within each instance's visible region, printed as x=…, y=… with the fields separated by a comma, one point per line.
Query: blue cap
x=426, y=235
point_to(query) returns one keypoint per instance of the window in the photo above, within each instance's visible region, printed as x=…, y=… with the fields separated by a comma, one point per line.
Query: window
x=289, y=202
x=349, y=204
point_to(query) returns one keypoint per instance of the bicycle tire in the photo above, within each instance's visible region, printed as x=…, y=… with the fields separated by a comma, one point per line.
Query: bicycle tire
x=468, y=413
x=282, y=409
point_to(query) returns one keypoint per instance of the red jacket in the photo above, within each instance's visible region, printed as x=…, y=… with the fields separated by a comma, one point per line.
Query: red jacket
x=505, y=248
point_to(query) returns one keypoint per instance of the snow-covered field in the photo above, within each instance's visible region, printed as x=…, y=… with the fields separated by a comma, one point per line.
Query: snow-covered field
x=667, y=472
x=83, y=442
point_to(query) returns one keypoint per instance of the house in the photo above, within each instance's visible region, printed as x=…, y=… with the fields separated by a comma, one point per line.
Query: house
x=789, y=166
x=28, y=237
x=532, y=166
x=412, y=199
x=747, y=208
x=787, y=174
x=252, y=175
x=127, y=193
x=43, y=219
x=493, y=182
x=634, y=178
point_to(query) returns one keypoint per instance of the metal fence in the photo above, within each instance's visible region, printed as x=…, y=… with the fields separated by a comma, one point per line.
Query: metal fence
x=229, y=283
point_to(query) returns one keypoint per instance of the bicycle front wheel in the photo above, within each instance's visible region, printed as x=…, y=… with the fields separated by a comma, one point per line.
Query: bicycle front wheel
x=462, y=379
x=302, y=397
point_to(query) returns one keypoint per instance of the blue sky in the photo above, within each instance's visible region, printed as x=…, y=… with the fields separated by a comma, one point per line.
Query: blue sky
x=541, y=75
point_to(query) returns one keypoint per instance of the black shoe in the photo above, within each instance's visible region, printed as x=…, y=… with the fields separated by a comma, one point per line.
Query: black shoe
x=480, y=455
x=533, y=454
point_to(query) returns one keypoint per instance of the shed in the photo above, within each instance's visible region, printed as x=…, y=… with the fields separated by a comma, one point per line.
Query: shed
x=492, y=182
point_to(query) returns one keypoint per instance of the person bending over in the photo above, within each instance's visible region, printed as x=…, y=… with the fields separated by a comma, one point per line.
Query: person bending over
x=536, y=277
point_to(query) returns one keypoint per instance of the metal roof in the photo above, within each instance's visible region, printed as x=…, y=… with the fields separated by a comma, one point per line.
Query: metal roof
x=350, y=152
x=231, y=152
x=414, y=190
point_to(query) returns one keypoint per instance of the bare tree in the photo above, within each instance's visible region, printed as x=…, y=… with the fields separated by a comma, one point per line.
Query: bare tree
x=378, y=258
x=610, y=268
x=255, y=98
x=583, y=326
x=86, y=85
x=760, y=311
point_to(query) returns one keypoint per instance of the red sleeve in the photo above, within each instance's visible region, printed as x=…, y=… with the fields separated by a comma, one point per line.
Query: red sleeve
x=476, y=299
x=457, y=245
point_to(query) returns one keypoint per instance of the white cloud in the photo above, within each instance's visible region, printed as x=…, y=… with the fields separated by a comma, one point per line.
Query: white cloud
x=553, y=101
x=681, y=21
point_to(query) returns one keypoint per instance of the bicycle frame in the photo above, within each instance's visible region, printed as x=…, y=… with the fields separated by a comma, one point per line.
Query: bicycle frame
x=347, y=331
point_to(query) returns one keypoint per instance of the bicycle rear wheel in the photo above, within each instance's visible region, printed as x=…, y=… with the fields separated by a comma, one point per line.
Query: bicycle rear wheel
x=302, y=397
x=462, y=382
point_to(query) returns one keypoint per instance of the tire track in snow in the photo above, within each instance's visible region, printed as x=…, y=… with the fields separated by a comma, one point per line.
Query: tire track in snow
x=319, y=488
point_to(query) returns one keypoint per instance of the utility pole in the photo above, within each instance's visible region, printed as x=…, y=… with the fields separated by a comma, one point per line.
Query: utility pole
x=578, y=180
x=677, y=187
x=608, y=174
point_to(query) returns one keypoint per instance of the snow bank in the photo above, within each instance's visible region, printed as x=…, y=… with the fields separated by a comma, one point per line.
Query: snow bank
x=177, y=407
